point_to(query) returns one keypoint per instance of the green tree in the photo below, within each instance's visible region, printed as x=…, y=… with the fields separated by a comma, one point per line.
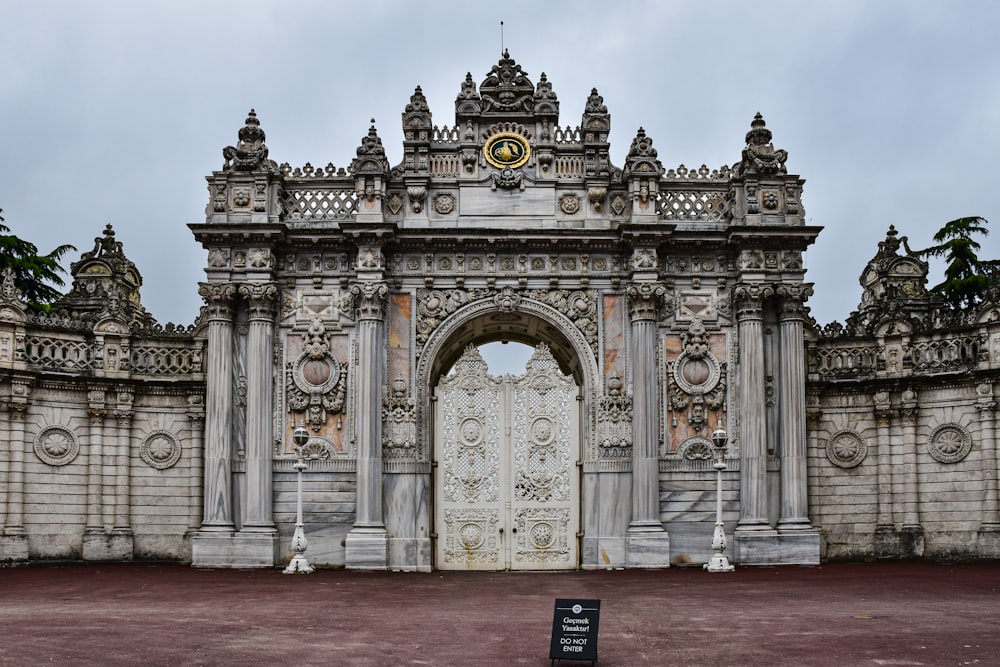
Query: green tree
x=966, y=277
x=36, y=276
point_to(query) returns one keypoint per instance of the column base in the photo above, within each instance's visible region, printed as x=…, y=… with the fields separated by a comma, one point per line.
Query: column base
x=775, y=547
x=240, y=550
x=647, y=549
x=367, y=549
x=907, y=542
x=988, y=541
x=13, y=545
x=101, y=546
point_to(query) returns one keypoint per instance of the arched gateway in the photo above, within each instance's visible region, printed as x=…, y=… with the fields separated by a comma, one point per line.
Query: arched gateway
x=662, y=305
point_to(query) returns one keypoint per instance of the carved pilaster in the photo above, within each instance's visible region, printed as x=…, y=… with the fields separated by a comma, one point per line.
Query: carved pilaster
x=986, y=404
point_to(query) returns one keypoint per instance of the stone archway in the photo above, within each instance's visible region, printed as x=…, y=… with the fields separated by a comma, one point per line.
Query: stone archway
x=567, y=359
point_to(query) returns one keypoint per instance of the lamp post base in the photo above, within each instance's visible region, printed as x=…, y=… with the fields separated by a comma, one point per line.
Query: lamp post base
x=719, y=563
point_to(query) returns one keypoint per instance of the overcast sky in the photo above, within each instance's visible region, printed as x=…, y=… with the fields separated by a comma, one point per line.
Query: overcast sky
x=114, y=112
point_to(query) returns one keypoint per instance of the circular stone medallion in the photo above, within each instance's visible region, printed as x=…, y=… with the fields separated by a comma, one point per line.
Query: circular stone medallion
x=160, y=450
x=949, y=443
x=56, y=445
x=846, y=449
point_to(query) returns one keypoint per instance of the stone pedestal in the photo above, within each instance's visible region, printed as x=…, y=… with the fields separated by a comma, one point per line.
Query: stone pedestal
x=13, y=545
x=651, y=550
x=101, y=546
x=772, y=547
x=242, y=550
x=367, y=549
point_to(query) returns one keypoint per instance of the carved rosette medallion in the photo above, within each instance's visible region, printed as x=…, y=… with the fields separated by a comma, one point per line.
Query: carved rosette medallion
x=56, y=445
x=160, y=450
x=444, y=204
x=846, y=449
x=950, y=443
x=471, y=535
x=316, y=383
x=569, y=204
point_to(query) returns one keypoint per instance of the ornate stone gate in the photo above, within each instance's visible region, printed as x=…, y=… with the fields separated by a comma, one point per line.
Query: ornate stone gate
x=507, y=488
x=339, y=299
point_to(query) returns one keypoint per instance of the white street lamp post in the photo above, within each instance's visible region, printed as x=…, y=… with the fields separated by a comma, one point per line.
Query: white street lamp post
x=718, y=562
x=299, y=564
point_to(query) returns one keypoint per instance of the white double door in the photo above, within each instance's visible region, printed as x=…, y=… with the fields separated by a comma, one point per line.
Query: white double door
x=507, y=487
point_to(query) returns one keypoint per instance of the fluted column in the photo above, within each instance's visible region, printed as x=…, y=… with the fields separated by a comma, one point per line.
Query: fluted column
x=644, y=303
x=217, y=494
x=258, y=511
x=369, y=303
x=749, y=298
x=794, y=477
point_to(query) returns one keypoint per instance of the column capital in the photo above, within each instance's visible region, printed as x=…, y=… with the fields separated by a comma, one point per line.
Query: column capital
x=367, y=300
x=645, y=300
x=261, y=298
x=218, y=298
x=793, y=298
x=749, y=298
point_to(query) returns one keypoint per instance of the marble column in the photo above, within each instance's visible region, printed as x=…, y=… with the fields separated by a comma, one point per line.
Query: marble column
x=213, y=545
x=646, y=542
x=217, y=493
x=644, y=302
x=752, y=390
x=258, y=507
x=14, y=540
x=989, y=529
x=366, y=544
x=794, y=477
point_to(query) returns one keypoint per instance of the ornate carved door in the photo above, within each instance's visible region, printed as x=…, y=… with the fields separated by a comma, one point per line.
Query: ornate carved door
x=507, y=491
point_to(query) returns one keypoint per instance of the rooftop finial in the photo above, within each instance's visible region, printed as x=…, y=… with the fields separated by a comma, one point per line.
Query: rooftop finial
x=502, y=50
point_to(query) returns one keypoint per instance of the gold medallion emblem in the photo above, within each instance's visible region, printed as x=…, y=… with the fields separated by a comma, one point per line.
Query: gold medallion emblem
x=507, y=150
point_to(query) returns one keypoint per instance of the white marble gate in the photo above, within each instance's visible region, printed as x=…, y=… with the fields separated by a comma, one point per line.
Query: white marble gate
x=507, y=489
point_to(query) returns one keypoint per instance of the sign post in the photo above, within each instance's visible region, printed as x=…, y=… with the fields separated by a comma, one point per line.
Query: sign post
x=574, y=630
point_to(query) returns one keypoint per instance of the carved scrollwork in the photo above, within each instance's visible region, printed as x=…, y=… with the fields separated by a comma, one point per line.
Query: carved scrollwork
x=316, y=384
x=697, y=379
x=614, y=422
x=399, y=422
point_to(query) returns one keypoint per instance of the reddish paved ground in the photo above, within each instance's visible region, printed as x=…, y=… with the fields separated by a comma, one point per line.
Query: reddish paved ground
x=837, y=614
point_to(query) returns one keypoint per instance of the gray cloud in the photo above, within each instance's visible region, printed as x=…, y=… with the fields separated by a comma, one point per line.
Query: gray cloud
x=113, y=112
